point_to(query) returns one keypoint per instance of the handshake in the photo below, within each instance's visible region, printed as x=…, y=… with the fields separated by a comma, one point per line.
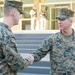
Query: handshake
x=30, y=57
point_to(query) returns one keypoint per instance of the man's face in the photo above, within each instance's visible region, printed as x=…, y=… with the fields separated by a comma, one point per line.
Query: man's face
x=64, y=24
x=17, y=17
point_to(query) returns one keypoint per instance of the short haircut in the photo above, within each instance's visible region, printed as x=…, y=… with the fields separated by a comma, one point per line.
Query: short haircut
x=7, y=10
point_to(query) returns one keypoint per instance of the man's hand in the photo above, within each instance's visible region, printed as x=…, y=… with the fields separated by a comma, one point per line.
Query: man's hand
x=29, y=56
x=31, y=59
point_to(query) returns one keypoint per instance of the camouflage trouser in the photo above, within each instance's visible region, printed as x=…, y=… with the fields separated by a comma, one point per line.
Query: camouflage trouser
x=64, y=73
x=9, y=74
x=67, y=73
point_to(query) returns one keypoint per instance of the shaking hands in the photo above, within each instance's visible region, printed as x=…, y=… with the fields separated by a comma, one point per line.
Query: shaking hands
x=29, y=56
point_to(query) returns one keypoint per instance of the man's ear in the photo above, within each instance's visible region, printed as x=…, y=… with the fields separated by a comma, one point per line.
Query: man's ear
x=12, y=13
x=71, y=21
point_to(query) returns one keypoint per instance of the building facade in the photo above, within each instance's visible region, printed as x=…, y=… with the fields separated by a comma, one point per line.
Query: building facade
x=45, y=16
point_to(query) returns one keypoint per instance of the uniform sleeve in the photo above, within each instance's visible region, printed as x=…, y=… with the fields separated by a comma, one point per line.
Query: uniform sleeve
x=45, y=47
x=12, y=57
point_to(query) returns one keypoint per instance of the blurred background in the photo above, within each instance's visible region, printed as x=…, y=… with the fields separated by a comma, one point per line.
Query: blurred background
x=40, y=14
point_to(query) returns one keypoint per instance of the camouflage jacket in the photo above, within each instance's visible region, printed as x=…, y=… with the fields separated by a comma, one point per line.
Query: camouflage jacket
x=10, y=59
x=62, y=53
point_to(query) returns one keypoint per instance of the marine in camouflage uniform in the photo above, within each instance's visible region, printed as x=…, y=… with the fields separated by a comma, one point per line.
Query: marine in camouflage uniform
x=61, y=48
x=10, y=60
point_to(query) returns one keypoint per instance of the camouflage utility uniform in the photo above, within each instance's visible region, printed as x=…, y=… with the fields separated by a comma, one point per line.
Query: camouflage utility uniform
x=10, y=59
x=62, y=53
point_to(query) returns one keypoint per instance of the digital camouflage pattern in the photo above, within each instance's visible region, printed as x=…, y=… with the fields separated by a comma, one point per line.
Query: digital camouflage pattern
x=65, y=13
x=62, y=53
x=16, y=4
x=10, y=59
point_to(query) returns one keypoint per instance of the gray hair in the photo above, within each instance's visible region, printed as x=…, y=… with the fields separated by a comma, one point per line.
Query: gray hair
x=71, y=18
